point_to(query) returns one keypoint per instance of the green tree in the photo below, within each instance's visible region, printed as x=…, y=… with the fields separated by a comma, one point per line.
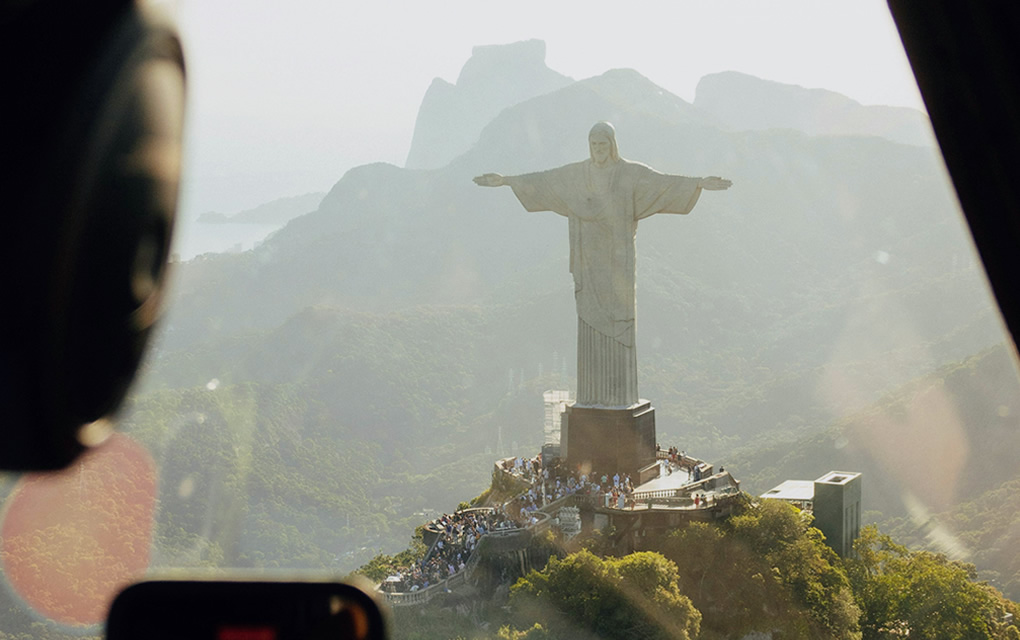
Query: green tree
x=765, y=569
x=922, y=594
x=797, y=554
x=536, y=632
x=383, y=565
x=632, y=597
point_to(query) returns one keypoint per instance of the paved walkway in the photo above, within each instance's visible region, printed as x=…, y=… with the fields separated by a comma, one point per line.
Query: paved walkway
x=677, y=479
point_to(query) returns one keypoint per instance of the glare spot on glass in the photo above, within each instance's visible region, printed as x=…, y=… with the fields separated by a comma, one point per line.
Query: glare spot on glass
x=881, y=257
x=335, y=605
x=937, y=534
x=95, y=433
x=187, y=487
x=213, y=384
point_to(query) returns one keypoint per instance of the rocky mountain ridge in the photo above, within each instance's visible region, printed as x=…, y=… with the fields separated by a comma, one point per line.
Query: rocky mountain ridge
x=495, y=77
x=821, y=240
x=742, y=102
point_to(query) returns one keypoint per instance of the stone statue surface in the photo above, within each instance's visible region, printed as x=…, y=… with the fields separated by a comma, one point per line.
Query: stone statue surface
x=603, y=199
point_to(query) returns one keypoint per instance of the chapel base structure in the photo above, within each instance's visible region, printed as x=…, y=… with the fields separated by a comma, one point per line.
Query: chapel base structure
x=609, y=440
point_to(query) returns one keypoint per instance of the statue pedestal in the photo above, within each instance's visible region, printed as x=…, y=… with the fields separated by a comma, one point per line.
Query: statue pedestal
x=609, y=440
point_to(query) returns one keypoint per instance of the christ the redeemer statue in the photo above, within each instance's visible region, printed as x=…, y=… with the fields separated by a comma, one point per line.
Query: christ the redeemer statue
x=603, y=198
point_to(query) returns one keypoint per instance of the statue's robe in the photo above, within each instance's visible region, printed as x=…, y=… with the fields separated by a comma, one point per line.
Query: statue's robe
x=603, y=205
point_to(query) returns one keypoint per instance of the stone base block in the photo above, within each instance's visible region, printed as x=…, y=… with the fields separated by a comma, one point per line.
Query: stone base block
x=609, y=440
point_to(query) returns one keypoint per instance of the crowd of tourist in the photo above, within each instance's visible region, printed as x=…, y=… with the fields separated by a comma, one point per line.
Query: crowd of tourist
x=459, y=534
x=528, y=469
x=551, y=482
x=674, y=455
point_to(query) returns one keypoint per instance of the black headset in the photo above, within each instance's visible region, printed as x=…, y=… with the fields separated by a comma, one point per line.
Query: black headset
x=91, y=114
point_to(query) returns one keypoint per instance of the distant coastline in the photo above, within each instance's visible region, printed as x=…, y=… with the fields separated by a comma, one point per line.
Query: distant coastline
x=277, y=212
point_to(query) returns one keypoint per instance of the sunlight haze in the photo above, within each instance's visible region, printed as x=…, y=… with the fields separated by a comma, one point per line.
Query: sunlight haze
x=286, y=97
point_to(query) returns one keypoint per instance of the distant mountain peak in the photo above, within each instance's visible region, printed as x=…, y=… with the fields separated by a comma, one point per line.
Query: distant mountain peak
x=743, y=102
x=552, y=128
x=485, y=58
x=494, y=78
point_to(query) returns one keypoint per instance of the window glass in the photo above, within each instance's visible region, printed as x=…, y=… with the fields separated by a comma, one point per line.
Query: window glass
x=358, y=332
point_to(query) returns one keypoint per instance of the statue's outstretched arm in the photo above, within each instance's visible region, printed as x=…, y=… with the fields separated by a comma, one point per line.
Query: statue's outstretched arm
x=490, y=180
x=711, y=183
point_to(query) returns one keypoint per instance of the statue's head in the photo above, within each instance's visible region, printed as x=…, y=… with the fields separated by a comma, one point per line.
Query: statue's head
x=602, y=143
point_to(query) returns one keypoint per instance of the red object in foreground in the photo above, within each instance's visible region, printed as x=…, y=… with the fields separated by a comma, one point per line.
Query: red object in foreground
x=72, y=539
x=246, y=633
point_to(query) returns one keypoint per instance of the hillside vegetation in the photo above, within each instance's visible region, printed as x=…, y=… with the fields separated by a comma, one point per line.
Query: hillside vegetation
x=398, y=338
x=764, y=571
x=939, y=462
x=312, y=401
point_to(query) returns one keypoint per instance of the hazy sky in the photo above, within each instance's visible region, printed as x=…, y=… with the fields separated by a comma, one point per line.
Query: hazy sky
x=287, y=96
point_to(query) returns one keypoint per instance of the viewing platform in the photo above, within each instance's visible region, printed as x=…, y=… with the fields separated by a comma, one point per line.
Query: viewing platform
x=681, y=489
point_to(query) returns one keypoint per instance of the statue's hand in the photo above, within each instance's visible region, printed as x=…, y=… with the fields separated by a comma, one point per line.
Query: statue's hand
x=490, y=180
x=715, y=183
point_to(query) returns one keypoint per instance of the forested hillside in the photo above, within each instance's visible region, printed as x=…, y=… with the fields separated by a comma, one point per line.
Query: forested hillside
x=762, y=572
x=404, y=331
x=984, y=530
x=831, y=259
x=939, y=462
x=310, y=402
